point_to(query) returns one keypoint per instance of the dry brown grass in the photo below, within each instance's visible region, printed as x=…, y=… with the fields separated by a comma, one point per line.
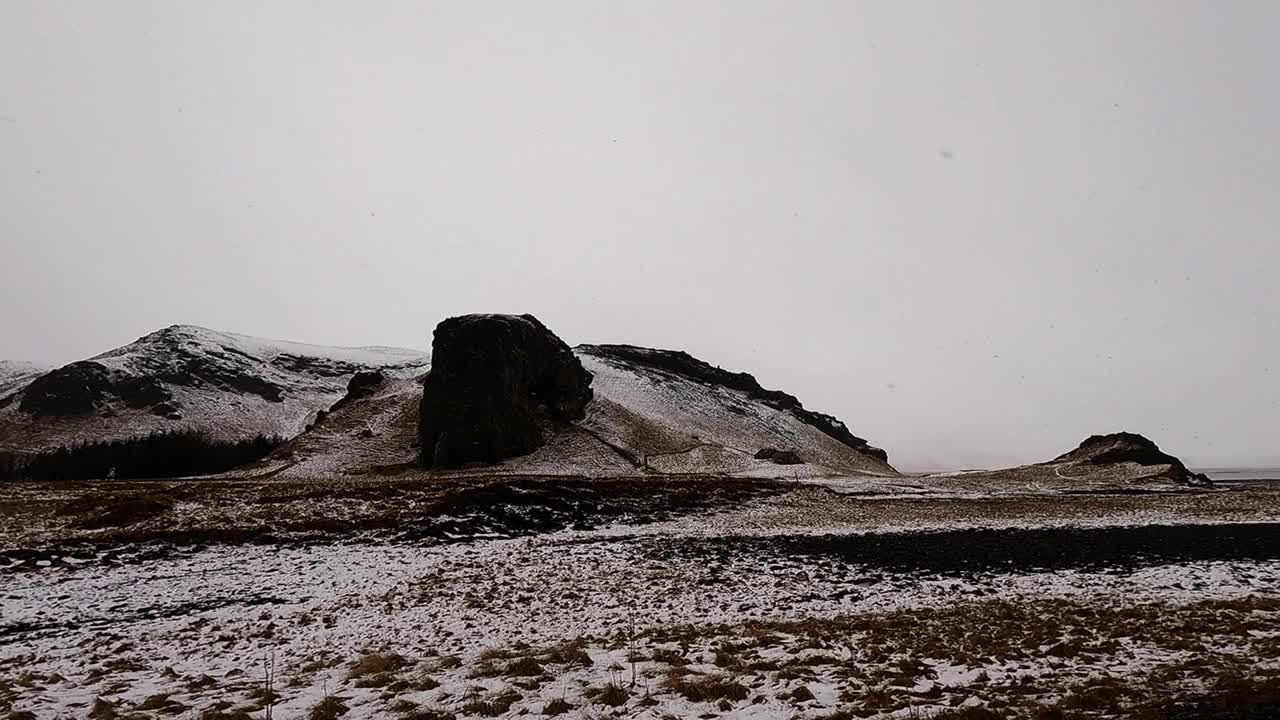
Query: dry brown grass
x=800, y=694
x=102, y=710
x=425, y=682
x=402, y=706
x=670, y=657
x=491, y=705
x=445, y=662
x=330, y=708
x=706, y=688
x=973, y=713
x=611, y=694
x=484, y=669
x=523, y=667
x=559, y=706
x=570, y=652
x=226, y=714
x=428, y=714
x=726, y=658
x=376, y=664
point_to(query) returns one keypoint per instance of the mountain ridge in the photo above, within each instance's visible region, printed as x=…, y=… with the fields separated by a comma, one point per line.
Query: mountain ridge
x=226, y=384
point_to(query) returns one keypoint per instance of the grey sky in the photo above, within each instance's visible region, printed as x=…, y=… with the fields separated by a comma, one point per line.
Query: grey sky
x=976, y=231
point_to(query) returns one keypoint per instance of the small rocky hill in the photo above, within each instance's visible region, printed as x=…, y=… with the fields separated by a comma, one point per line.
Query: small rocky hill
x=1117, y=450
x=1115, y=464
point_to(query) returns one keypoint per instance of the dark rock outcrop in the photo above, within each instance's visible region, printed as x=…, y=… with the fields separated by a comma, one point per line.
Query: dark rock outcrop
x=165, y=409
x=322, y=367
x=685, y=365
x=779, y=457
x=80, y=388
x=143, y=392
x=495, y=382
x=363, y=383
x=1125, y=447
x=214, y=370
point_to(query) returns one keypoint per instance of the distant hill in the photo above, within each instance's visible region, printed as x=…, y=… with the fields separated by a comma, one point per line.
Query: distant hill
x=1127, y=452
x=226, y=385
x=355, y=411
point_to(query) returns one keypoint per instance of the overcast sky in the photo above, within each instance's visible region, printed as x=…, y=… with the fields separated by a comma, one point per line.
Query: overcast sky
x=976, y=231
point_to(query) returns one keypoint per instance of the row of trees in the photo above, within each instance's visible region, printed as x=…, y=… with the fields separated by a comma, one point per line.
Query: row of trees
x=162, y=454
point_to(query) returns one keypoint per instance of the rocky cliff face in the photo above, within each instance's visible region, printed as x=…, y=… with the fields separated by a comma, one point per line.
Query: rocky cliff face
x=496, y=382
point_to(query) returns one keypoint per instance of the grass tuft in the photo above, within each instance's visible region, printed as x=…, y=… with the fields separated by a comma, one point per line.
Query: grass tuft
x=559, y=706
x=330, y=708
x=706, y=688
x=376, y=664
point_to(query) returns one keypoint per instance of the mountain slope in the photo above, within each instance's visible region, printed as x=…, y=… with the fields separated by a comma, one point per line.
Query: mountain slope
x=228, y=385
x=648, y=415
x=16, y=375
x=678, y=414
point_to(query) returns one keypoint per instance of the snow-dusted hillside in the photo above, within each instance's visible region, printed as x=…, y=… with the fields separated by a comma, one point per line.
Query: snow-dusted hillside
x=673, y=413
x=653, y=412
x=16, y=375
x=643, y=419
x=184, y=376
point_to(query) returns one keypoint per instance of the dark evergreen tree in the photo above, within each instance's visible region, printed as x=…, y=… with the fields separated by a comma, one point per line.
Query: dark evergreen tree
x=161, y=454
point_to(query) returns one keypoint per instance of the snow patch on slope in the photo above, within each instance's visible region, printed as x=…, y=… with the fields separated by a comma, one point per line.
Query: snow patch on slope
x=198, y=339
x=14, y=375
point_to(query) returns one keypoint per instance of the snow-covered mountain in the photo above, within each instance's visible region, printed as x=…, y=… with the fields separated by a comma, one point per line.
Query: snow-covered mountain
x=652, y=412
x=229, y=385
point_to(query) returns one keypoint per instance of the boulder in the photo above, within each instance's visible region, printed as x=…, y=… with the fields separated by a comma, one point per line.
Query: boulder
x=779, y=457
x=495, y=382
x=786, y=457
x=363, y=383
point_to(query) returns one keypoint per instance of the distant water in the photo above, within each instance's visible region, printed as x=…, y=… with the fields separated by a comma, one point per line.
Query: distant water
x=1235, y=475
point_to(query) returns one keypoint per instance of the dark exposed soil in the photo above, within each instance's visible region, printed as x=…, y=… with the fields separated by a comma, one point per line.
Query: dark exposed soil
x=444, y=511
x=1007, y=550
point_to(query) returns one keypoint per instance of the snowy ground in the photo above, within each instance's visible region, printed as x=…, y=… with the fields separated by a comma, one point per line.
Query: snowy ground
x=795, y=604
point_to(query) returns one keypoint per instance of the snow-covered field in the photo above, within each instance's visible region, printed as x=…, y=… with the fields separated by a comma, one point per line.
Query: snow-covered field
x=746, y=611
